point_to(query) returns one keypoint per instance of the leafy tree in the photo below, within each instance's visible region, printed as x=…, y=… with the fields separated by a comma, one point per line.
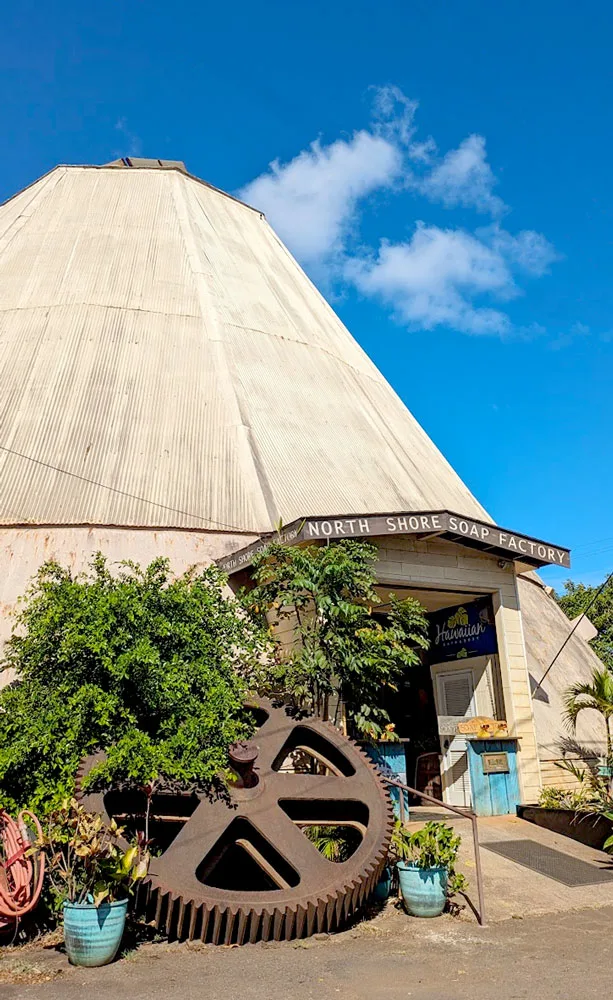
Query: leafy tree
x=577, y=598
x=319, y=600
x=139, y=663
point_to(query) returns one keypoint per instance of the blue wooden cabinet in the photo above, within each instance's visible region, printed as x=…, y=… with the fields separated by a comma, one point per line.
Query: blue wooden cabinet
x=390, y=758
x=494, y=781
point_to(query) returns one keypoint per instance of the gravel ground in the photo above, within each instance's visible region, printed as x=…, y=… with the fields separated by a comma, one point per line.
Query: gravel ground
x=561, y=956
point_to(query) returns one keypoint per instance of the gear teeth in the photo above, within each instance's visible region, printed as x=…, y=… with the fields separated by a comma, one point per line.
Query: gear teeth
x=338, y=908
x=330, y=912
x=290, y=924
x=184, y=909
x=230, y=922
x=218, y=916
x=254, y=929
x=159, y=903
x=311, y=922
x=266, y=925
x=241, y=926
x=278, y=925
x=300, y=921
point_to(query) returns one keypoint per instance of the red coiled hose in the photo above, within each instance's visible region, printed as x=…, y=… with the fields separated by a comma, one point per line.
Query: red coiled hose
x=21, y=869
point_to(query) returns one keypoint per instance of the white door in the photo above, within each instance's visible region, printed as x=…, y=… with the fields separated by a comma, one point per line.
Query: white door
x=456, y=696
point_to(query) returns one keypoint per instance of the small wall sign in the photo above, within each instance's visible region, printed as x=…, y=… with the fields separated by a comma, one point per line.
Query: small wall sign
x=461, y=631
x=482, y=727
x=495, y=763
x=448, y=725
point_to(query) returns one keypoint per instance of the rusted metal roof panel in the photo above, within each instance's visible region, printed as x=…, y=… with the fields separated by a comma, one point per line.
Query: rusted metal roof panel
x=165, y=362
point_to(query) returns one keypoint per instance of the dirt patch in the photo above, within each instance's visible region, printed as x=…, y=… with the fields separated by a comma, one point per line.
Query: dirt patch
x=39, y=961
x=17, y=971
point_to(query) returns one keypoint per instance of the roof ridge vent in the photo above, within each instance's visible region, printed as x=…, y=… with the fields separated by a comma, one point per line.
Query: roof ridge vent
x=143, y=161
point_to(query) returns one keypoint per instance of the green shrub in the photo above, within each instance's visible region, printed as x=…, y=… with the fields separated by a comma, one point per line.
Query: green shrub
x=139, y=663
x=564, y=798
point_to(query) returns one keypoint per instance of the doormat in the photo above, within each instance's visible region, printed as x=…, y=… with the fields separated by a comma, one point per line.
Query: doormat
x=443, y=815
x=554, y=864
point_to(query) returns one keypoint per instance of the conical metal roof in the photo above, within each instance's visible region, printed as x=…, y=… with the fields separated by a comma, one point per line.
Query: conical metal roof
x=164, y=361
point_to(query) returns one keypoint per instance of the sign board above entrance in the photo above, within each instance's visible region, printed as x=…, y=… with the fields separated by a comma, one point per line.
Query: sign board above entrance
x=454, y=527
x=459, y=632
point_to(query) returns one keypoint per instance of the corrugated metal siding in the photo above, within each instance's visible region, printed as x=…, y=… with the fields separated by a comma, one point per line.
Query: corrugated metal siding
x=157, y=338
x=546, y=628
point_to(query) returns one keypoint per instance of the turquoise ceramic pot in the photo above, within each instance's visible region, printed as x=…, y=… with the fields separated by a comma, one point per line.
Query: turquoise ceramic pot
x=92, y=934
x=424, y=890
x=383, y=886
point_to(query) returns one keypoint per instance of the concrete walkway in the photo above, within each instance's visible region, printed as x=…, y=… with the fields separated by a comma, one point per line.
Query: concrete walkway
x=393, y=957
x=510, y=889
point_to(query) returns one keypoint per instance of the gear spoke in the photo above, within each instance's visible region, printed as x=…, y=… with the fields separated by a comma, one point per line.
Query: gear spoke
x=292, y=843
x=315, y=786
x=198, y=836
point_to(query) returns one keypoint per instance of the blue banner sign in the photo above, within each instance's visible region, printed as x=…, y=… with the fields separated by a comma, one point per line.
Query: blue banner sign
x=462, y=631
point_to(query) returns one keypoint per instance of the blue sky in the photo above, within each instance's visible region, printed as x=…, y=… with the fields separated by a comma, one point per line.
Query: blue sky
x=441, y=169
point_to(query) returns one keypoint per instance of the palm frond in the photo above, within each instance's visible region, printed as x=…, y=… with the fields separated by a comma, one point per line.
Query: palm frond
x=596, y=694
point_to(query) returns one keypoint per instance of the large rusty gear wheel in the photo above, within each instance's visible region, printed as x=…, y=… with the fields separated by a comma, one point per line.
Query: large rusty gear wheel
x=242, y=870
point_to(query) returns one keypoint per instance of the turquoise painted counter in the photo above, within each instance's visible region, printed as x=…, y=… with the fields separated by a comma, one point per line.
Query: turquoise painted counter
x=391, y=760
x=496, y=793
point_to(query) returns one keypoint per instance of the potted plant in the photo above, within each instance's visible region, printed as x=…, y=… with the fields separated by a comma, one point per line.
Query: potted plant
x=425, y=861
x=92, y=872
x=383, y=887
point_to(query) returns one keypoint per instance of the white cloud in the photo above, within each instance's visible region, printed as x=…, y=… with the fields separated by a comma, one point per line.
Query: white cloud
x=422, y=152
x=440, y=276
x=133, y=145
x=394, y=114
x=463, y=177
x=312, y=200
x=530, y=251
x=434, y=278
x=576, y=332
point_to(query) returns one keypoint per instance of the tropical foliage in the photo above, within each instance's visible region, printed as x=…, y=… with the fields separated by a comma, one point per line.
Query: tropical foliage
x=578, y=799
x=595, y=694
x=336, y=843
x=85, y=859
x=138, y=663
x=329, y=646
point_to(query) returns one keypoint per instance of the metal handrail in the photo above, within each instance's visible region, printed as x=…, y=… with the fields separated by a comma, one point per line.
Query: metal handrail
x=460, y=811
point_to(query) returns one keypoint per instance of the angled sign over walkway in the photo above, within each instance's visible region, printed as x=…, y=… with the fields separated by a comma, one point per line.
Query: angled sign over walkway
x=443, y=523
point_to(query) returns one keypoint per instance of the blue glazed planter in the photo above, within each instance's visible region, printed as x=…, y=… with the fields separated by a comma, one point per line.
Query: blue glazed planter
x=424, y=890
x=92, y=934
x=383, y=886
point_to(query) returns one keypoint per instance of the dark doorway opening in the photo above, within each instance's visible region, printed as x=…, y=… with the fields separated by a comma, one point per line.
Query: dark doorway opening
x=413, y=712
